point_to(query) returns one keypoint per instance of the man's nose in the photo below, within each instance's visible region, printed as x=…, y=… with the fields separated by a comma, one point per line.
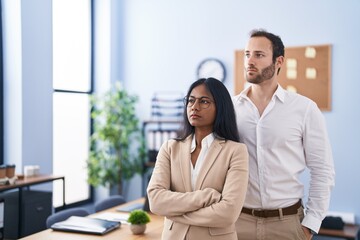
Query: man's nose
x=250, y=60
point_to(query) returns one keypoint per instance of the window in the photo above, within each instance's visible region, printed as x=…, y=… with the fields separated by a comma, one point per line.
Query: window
x=72, y=83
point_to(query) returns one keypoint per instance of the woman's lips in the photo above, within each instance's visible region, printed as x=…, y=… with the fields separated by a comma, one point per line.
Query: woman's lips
x=194, y=116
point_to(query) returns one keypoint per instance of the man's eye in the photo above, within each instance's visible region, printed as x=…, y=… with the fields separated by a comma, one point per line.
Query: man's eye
x=191, y=100
x=204, y=101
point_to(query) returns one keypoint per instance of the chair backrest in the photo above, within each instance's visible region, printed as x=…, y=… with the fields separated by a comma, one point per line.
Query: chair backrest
x=109, y=202
x=65, y=214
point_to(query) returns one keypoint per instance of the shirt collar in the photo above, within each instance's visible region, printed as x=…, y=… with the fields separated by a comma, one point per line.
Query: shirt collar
x=206, y=141
x=279, y=93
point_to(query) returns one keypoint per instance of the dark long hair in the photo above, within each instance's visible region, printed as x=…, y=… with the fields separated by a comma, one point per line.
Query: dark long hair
x=225, y=119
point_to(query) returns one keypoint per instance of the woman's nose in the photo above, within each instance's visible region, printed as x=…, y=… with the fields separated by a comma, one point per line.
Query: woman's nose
x=196, y=105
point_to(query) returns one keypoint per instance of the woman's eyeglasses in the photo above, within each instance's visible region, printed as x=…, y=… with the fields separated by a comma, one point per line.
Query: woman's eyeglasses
x=204, y=102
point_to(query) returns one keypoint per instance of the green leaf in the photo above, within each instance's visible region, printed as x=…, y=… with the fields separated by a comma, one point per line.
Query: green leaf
x=138, y=217
x=115, y=133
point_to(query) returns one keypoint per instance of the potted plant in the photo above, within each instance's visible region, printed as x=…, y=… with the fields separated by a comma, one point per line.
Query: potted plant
x=117, y=147
x=138, y=220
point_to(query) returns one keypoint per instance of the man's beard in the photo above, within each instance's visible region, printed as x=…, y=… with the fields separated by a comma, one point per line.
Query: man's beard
x=265, y=74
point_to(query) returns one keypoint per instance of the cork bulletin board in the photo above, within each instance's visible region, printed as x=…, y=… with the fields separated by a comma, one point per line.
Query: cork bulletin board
x=306, y=70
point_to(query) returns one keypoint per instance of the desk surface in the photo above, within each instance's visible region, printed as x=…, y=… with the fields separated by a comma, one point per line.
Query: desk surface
x=349, y=232
x=28, y=181
x=153, y=230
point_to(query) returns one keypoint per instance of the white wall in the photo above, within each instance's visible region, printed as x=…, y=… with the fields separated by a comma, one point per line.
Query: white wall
x=37, y=83
x=12, y=89
x=28, y=83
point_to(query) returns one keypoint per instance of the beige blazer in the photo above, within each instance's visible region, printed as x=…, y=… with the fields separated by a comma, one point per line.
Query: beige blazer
x=210, y=211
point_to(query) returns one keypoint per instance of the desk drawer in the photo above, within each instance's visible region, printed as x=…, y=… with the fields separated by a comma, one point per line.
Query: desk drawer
x=36, y=206
x=34, y=216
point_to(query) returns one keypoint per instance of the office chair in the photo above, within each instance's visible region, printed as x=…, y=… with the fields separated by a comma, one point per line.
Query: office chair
x=109, y=202
x=65, y=214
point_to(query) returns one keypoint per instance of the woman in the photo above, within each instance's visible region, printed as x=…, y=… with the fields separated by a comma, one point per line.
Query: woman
x=200, y=179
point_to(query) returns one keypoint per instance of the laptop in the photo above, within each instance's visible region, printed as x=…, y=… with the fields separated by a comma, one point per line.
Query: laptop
x=86, y=225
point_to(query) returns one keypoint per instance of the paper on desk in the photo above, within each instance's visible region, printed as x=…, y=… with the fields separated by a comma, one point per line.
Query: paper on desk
x=348, y=218
x=118, y=217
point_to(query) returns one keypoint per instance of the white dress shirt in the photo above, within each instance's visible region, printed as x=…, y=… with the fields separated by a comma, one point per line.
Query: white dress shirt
x=205, y=145
x=289, y=136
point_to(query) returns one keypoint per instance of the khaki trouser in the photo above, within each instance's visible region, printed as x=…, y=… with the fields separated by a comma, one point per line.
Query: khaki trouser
x=288, y=227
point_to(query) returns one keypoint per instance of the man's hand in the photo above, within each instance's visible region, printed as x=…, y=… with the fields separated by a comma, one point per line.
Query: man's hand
x=307, y=232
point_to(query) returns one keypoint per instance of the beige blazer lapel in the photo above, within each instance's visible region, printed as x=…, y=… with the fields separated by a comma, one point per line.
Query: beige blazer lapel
x=210, y=158
x=184, y=160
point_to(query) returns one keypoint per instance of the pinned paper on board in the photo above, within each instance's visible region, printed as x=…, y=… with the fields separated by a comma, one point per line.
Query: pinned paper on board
x=291, y=74
x=291, y=88
x=291, y=63
x=310, y=73
x=310, y=52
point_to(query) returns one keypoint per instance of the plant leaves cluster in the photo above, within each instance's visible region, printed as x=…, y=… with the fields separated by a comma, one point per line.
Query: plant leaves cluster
x=117, y=147
x=138, y=217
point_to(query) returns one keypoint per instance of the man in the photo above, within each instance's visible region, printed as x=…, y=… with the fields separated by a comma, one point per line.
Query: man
x=285, y=133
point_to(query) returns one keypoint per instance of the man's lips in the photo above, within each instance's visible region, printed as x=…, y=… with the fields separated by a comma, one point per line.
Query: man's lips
x=251, y=70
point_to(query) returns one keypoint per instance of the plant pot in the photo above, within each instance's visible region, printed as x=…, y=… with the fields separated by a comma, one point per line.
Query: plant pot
x=138, y=228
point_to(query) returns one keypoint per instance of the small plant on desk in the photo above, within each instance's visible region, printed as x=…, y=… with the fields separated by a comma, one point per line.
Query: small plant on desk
x=138, y=220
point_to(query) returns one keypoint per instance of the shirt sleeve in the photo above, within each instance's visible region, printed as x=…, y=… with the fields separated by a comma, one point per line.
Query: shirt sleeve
x=319, y=160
